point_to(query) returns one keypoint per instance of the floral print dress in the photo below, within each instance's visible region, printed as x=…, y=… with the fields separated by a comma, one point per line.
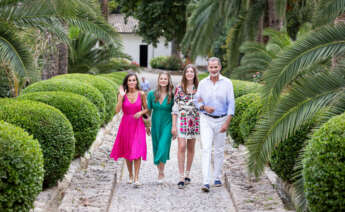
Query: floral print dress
x=187, y=114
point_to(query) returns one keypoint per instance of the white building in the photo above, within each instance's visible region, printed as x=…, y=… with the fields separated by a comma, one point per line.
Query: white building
x=133, y=44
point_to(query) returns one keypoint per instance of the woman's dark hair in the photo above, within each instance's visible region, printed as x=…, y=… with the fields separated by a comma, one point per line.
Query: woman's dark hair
x=125, y=81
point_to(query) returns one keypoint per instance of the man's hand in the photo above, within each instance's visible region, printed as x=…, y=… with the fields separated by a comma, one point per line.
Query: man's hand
x=209, y=109
x=224, y=127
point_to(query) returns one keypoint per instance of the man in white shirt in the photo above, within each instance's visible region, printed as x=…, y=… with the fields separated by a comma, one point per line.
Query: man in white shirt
x=216, y=102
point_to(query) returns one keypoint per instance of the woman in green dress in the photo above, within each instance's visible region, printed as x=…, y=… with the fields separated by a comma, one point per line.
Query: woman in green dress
x=161, y=101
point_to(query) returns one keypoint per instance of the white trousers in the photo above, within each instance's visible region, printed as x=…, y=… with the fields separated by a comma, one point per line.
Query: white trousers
x=209, y=133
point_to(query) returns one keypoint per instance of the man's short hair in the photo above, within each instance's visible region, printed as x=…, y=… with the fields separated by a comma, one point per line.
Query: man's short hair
x=212, y=59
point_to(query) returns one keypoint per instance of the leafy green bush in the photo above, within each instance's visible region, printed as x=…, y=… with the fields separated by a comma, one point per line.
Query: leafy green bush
x=106, y=88
x=50, y=127
x=324, y=167
x=113, y=84
x=241, y=104
x=250, y=116
x=167, y=63
x=5, y=89
x=244, y=87
x=116, y=77
x=82, y=114
x=284, y=156
x=73, y=86
x=21, y=172
x=158, y=62
x=173, y=63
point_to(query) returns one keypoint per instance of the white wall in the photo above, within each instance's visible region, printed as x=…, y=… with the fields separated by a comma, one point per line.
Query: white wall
x=131, y=46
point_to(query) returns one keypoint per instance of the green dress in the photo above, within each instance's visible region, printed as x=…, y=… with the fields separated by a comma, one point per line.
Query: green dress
x=161, y=127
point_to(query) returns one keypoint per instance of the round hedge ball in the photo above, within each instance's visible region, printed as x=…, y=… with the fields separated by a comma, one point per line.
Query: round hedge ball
x=82, y=114
x=241, y=105
x=21, y=169
x=50, y=127
x=324, y=167
x=106, y=88
x=73, y=86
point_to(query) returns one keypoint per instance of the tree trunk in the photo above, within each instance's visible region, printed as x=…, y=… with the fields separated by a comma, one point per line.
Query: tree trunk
x=259, y=37
x=63, y=58
x=273, y=19
x=104, y=8
x=336, y=58
x=175, y=48
x=51, y=60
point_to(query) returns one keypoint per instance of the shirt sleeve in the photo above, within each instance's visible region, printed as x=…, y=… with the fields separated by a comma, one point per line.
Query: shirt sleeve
x=231, y=100
x=196, y=98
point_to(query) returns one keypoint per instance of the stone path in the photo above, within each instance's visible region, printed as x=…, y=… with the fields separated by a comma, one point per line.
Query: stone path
x=152, y=196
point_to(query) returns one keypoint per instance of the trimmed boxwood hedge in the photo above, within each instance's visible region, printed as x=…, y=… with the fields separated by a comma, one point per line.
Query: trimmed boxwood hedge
x=324, y=167
x=241, y=105
x=284, y=156
x=116, y=77
x=107, y=89
x=73, y=86
x=115, y=85
x=250, y=116
x=82, y=114
x=50, y=127
x=21, y=169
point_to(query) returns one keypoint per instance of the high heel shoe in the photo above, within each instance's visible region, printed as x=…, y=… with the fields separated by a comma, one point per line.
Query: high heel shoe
x=130, y=181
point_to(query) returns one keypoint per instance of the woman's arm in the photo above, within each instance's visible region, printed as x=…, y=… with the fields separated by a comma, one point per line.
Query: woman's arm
x=120, y=98
x=144, y=109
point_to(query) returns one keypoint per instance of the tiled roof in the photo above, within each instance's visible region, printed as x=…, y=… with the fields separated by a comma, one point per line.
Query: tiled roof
x=118, y=21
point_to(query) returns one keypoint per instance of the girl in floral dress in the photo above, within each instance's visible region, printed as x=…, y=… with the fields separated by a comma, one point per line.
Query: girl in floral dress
x=186, y=122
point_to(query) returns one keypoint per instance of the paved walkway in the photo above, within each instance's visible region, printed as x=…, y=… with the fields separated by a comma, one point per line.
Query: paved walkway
x=152, y=196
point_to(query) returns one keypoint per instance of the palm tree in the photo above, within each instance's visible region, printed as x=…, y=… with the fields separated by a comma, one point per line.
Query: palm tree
x=300, y=87
x=47, y=16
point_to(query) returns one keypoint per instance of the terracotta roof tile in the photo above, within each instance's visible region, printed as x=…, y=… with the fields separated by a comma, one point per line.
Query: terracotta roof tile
x=118, y=21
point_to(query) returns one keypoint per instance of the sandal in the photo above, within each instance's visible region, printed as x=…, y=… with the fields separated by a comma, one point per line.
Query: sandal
x=187, y=180
x=180, y=185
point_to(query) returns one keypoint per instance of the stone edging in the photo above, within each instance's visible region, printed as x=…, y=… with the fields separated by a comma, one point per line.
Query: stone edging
x=50, y=199
x=246, y=192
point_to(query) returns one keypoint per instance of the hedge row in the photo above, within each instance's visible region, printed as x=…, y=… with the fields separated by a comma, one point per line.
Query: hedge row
x=50, y=127
x=116, y=77
x=106, y=88
x=21, y=172
x=324, y=167
x=73, y=86
x=82, y=114
x=167, y=63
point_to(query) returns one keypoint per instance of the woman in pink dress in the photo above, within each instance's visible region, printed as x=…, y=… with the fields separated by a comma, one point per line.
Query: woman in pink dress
x=130, y=141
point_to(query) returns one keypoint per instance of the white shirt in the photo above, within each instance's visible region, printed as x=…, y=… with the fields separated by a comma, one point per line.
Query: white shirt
x=219, y=95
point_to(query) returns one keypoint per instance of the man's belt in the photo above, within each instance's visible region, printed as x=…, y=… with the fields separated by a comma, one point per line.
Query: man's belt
x=215, y=117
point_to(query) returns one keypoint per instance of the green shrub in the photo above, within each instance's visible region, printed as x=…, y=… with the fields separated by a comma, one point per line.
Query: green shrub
x=244, y=87
x=116, y=77
x=21, y=169
x=250, y=116
x=73, y=86
x=5, y=88
x=106, y=88
x=284, y=156
x=324, y=167
x=241, y=104
x=82, y=114
x=202, y=76
x=173, y=63
x=113, y=84
x=158, y=62
x=50, y=127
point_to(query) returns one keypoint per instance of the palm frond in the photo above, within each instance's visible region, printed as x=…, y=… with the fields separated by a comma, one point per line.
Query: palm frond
x=307, y=97
x=13, y=52
x=317, y=46
x=328, y=10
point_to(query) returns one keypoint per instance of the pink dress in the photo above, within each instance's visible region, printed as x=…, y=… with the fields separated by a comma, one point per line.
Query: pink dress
x=130, y=141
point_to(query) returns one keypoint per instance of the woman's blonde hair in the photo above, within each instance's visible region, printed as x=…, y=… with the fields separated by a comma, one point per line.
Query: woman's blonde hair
x=184, y=79
x=170, y=88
